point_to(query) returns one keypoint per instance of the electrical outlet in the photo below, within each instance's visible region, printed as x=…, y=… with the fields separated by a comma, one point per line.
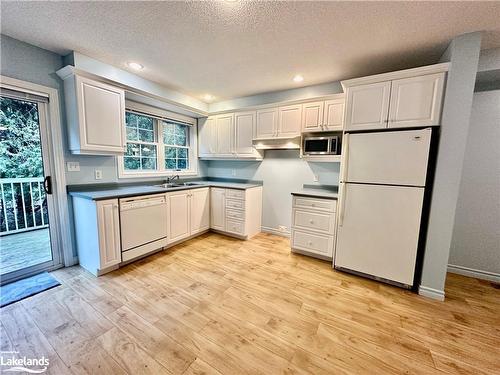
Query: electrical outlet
x=98, y=174
x=233, y=172
x=282, y=228
x=316, y=178
x=73, y=166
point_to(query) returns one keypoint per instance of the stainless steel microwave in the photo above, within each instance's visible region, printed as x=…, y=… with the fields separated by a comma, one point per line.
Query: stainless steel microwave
x=321, y=145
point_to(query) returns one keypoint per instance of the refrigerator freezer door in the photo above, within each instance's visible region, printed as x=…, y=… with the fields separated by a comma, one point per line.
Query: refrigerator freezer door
x=393, y=158
x=378, y=230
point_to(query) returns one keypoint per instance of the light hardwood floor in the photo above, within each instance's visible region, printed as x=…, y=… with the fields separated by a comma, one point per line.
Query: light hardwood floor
x=216, y=305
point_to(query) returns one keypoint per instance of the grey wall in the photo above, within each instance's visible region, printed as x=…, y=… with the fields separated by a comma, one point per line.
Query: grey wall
x=282, y=171
x=476, y=235
x=463, y=54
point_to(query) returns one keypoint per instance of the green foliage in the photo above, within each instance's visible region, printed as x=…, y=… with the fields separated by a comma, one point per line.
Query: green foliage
x=20, y=151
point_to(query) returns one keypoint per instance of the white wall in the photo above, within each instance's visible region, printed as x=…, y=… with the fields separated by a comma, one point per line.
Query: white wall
x=282, y=171
x=476, y=236
x=464, y=56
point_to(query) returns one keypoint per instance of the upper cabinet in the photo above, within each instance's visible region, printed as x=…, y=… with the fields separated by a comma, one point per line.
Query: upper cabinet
x=416, y=101
x=404, y=99
x=228, y=136
x=368, y=106
x=267, y=123
x=323, y=115
x=289, y=121
x=95, y=114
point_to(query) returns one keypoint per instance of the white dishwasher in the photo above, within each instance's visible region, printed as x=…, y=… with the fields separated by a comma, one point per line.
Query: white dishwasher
x=143, y=225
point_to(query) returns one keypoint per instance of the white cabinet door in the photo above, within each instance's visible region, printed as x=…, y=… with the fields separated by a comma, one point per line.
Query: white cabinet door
x=367, y=106
x=178, y=217
x=333, y=118
x=394, y=158
x=108, y=223
x=101, y=114
x=207, y=137
x=244, y=128
x=217, y=208
x=289, y=121
x=225, y=134
x=200, y=210
x=388, y=217
x=312, y=116
x=267, y=123
x=416, y=101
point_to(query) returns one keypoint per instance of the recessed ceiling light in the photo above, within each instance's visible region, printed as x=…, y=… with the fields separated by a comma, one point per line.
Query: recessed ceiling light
x=135, y=66
x=208, y=97
x=298, y=78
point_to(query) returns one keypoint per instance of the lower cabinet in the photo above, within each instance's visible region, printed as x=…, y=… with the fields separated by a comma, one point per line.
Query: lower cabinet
x=313, y=226
x=236, y=212
x=188, y=213
x=97, y=234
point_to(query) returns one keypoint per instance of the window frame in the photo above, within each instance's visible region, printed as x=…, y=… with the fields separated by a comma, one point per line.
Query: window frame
x=159, y=116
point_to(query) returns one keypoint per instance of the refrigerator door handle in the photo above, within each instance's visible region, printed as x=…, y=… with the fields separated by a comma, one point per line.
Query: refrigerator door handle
x=345, y=153
x=343, y=189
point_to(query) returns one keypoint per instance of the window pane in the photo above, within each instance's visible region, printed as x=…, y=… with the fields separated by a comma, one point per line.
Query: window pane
x=145, y=122
x=132, y=163
x=181, y=135
x=132, y=149
x=170, y=164
x=182, y=163
x=170, y=152
x=148, y=163
x=168, y=134
x=132, y=134
x=148, y=151
x=146, y=135
x=182, y=153
x=131, y=119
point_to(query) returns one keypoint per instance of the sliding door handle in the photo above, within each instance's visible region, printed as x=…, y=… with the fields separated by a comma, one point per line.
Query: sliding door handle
x=47, y=185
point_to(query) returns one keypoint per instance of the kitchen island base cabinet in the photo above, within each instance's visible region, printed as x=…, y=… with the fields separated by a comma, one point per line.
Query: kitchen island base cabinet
x=97, y=232
x=235, y=212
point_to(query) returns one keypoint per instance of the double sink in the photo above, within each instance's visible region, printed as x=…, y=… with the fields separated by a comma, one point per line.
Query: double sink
x=174, y=185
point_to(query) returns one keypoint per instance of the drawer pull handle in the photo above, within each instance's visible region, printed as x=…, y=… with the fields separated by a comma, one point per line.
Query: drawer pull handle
x=309, y=243
x=313, y=205
x=311, y=221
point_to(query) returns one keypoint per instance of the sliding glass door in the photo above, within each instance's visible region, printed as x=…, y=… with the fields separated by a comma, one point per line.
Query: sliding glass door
x=27, y=239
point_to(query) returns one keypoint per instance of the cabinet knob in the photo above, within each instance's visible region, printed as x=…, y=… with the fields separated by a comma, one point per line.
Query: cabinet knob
x=313, y=205
x=309, y=243
x=311, y=221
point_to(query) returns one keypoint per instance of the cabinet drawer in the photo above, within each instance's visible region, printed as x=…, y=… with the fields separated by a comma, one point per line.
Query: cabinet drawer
x=320, y=221
x=232, y=203
x=314, y=243
x=235, y=194
x=314, y=203
x=235, y=214
x=234, y=226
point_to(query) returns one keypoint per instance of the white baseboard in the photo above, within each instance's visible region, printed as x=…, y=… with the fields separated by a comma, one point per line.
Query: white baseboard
x=471, y=272
x=431, y=293
x=274, y=231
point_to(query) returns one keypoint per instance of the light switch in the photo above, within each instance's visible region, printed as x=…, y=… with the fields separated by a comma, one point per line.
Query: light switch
x=98, y=174
x=73, y=166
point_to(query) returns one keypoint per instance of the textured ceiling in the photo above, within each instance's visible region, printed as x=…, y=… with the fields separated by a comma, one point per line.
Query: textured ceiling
x=232, y=49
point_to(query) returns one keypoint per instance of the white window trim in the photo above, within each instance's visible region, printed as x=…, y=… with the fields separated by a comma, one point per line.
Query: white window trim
x=162, y=172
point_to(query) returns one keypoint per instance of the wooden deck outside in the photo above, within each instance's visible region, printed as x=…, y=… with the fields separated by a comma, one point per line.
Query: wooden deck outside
x=24, y=249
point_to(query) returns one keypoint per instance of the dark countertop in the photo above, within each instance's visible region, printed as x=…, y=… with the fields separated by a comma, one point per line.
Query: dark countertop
x=111, y=191
x=318, y=191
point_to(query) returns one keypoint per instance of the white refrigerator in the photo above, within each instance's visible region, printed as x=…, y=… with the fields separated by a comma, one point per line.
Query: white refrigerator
x=381, y=197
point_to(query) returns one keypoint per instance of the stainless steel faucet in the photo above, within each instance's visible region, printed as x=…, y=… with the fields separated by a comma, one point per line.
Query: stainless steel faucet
x=171, y=178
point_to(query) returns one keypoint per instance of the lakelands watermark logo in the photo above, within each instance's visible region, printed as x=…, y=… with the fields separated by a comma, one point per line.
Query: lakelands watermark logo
x=13, y=362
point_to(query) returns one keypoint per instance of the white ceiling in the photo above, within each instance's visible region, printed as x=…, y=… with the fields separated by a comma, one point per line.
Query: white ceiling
x=232, y=49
